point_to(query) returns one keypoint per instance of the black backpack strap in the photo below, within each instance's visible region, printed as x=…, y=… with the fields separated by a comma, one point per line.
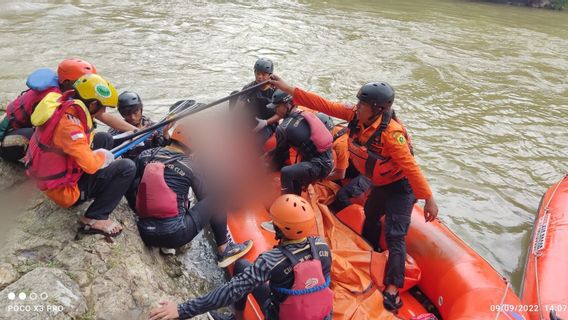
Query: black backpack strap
x=387, y=116
x=173, y=158
x=352, y=126
x=165, y=159
x=288, y=254
x=340, y=133
x=376, y=137
x=154, y=154
x=315, y=254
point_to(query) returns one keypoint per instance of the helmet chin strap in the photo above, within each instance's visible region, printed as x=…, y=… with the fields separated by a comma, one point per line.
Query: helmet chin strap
x=377, y=114
x=278, y=235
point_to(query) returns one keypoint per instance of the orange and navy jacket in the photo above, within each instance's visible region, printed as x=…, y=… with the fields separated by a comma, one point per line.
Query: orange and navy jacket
x=393, y=148
x=70, y=137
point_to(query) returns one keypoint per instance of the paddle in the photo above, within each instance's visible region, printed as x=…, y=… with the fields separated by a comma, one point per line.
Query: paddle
x=190, y=111
x=127, y=144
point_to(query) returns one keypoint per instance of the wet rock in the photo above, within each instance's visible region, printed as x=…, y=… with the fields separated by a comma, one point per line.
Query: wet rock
x=7, y=275
x=44, y=293
x=123, y=279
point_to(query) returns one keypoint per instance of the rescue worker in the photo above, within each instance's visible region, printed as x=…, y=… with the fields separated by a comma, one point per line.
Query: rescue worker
x=16, y=128
x=308, y=136
x=254, y=104
x=380, y=149
x=130, y=107
x=283, y=280
x=310, y=139
x=69, y=70
x=165, y=219
x=62, y=162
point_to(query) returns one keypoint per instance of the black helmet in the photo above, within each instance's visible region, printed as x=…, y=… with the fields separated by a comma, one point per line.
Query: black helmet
x=279, y=97
x=326, y=120
x=264, y=65
x=377, y=94
x=128, y=100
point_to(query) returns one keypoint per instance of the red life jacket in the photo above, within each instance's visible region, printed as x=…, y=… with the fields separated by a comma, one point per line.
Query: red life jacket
x=380, y=169
x=320, y=136
x=310, y=297
x=48, y=165
x=154, y=198
x=20, y=110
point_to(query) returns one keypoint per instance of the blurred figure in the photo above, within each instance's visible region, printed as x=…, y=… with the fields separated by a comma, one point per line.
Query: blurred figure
x=160, y=200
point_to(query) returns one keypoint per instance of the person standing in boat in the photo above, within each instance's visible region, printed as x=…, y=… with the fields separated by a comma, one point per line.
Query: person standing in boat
x=159, y=197
x=379, y=147
x=254, y=104
x=290, y=281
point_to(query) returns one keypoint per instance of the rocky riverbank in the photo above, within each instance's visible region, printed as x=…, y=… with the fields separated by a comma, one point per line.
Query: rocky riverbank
x=549, y=4
x=61, y=275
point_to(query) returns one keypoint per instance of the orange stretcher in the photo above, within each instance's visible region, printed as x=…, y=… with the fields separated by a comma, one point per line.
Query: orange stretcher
x=443, y=274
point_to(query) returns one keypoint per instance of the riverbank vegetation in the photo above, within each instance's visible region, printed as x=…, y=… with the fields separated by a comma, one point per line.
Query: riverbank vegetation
x=550, y=4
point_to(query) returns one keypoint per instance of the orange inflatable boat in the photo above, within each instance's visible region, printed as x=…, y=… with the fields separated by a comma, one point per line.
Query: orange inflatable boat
x=545, y=281
x=443, y=275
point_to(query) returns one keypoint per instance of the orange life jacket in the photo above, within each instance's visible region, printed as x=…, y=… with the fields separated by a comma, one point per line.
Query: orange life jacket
x=49, y=165
x=376, y=166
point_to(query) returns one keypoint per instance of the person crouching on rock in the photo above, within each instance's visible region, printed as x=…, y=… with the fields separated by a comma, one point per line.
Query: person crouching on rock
x=62, y=162
x=290, y=281
x=16, y=127
x=164, y=177
x=130, y=107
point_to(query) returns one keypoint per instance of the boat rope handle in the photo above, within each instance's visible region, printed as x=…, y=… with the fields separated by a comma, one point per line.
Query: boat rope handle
x=540, y=316
x=503, y=298
x=538, y=254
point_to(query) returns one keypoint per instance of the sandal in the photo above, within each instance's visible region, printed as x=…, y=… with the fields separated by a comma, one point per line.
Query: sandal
x=391, y=302
x=88, y=228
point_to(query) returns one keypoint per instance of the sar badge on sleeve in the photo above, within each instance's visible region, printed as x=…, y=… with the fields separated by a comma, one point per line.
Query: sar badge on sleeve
x=399, y=137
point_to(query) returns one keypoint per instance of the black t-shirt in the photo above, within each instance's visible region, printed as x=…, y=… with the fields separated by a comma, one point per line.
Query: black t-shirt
x=257, y=100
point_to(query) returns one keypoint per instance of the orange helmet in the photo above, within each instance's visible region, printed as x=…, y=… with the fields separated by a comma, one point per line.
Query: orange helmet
x=73, y=69
x=293, y=215
x=180, y=136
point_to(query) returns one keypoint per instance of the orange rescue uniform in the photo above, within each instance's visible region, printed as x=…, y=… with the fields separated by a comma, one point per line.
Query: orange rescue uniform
x=340, y=150
x=70, y=137
x=397, y=158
